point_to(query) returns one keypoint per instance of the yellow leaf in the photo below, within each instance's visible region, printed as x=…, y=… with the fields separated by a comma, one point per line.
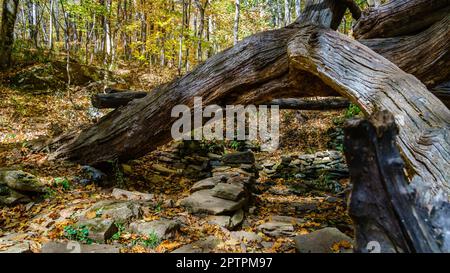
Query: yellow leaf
x=91, y=214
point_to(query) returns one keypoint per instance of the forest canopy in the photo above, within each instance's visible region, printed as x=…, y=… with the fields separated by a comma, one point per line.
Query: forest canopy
x=169, y=33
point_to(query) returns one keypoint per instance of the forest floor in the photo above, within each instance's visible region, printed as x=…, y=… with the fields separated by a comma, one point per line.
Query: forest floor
x=36, y=106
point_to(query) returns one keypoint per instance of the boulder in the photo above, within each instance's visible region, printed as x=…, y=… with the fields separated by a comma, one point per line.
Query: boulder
x=76, y=247
x=321, y=241
x=163, y=228
x=226, y=191
x=100, y=230
x=204, y=202
x=119, y=211
x=22, y=182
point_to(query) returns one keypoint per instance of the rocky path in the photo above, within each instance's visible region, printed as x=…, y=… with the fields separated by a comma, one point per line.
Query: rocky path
x=231, y=202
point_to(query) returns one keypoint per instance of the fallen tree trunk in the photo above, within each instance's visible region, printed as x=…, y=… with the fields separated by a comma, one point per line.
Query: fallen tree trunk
x=374, y=83
x=329, y=103
x=255, y=71
x=258, y=70
x=382, y=206
x=400, y=18
x=425, y=55
x=115, y=100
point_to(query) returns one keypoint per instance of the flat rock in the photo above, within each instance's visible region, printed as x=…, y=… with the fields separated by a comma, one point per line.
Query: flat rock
x=207, y=245
x=277, y=229
x=100, y=230
x=14, y=247
x=245, y=236
x=163, y=228
x=227, y=191
x=320, y=241
x=287, y=219
x=76, y=247
x=207, y=184
x=220, y=220
x=204, y=202
x=128, y=195
x=239, y=158
x=163, y=170
x=119, y=211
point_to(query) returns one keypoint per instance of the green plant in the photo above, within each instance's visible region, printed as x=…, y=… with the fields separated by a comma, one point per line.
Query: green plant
x=62, y=183
x=120, y=230
x=152, y=240
x=236, y=145
x=80, y=234
x=352, y=111
x=158, y=207
x=99, y=212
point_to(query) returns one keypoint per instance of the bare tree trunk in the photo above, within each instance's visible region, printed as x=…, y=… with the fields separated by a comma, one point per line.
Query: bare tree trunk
x=50, y=33
x=298, y=8
x=287, y=12
x=236, y=21
x=9, y=15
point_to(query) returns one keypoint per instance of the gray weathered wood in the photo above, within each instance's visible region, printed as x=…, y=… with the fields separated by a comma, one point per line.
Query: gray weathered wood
x=425, y=55
x=400, y=18
x=374, y=83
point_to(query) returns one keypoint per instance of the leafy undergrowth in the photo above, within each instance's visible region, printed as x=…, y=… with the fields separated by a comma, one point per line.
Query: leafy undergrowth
x=27, y=118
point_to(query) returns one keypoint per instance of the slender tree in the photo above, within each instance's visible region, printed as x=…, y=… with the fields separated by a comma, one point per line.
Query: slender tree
x=236, y=21
x=9, y=15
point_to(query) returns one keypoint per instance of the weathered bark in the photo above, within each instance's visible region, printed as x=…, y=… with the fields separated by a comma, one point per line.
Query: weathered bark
x=9, y=14
x=329, y=103
x=400, y=17
x=374, y=83
x=253, y=72
x=425, y=55
x=115, y=100
x=382, y=204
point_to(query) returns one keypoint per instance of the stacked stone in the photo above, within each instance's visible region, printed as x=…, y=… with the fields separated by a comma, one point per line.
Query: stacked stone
x=310, y=166
x=227, y=194
x=187, y=158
